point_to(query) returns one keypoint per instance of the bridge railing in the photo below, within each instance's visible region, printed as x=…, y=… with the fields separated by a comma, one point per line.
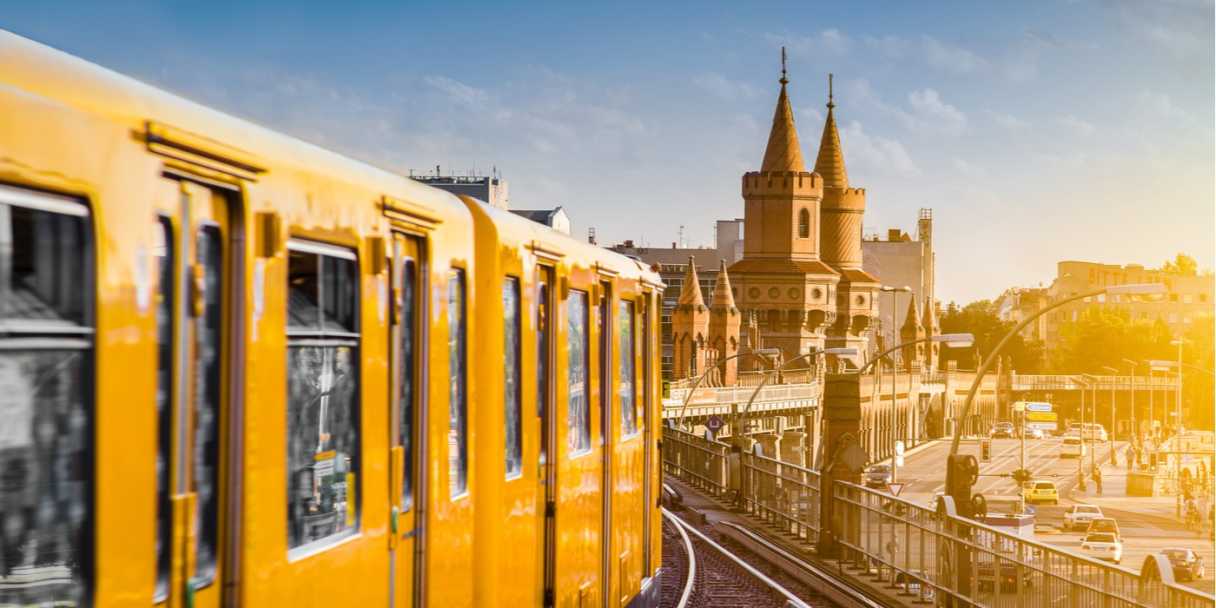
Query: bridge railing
x=784, y=495
x=917, y=548
x=1069, y=382
x=698, y=462
x=740, y=394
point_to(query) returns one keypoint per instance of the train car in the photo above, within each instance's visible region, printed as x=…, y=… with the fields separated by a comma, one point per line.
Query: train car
x=239, y=370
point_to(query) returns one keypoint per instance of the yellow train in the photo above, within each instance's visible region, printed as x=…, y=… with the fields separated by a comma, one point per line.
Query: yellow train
x=240, y=370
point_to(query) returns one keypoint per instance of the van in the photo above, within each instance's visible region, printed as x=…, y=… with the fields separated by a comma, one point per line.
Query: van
x=1093, y=431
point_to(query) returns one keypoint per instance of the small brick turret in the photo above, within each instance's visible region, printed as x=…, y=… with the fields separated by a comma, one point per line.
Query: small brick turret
x=724, y=324
x=689, y=327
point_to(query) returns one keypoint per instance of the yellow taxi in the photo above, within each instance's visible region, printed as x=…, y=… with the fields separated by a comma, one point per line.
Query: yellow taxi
x=1039, y=490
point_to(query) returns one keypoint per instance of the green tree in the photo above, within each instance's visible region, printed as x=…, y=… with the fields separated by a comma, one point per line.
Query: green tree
x=1182, y=264
x=981, y=320
x=1199, y=361
x=1103, y=337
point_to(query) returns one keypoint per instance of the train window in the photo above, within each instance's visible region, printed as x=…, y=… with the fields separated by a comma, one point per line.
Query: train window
x=626, y=380
x=208, y=337
x=322, y=396
x=164, y=253
x=405, y=404
x=46, y=400
x=542, y=343
x=578, y=414
x=511, y=376
x=458, y=436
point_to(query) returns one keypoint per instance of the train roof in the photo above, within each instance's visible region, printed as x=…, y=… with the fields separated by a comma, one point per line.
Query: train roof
x=519, y=230
x=40, y=70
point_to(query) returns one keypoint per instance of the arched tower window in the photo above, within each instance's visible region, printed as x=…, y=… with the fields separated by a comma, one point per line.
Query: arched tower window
x=804, y=224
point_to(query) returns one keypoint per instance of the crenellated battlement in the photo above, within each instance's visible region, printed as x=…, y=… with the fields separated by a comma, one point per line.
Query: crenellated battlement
x=782, y=183
x=851, y=199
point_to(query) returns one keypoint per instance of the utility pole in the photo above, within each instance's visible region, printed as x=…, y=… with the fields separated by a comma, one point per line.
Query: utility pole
x=1081, y=456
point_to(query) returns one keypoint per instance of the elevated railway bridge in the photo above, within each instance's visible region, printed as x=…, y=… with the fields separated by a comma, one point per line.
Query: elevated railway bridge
x=895, y=548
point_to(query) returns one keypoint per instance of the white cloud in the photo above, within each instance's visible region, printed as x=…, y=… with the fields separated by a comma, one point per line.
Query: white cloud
x=831, y=41
x=1161, y=105
x=968, y=169
x=457, y=91
x=892, y=47
x=933, y=114
x=1080, y=127
x=874, y=153
x=1008, y=121
x=951, y=58
x=722, y=87
x=809, y=115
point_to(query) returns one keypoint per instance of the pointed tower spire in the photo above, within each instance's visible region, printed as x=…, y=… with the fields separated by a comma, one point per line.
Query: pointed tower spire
x=722, y=297
x=830, y=162
x=690, y=293
x=783, y=152
x=912, y=318
x=929, y=319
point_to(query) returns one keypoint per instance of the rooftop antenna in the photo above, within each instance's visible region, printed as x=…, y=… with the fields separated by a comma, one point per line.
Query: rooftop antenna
x=783, y=80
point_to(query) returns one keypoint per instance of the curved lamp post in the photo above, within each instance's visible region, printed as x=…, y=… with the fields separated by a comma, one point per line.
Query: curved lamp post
x=1132, y=289
x=772, y=372
x=705, y=374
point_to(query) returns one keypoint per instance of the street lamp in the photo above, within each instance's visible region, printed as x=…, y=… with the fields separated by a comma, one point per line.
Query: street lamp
x=1110, y=437
x=1134, y=435
x=894, y=419
x=1130, y=289
x=1081, y=457
x=693, y=389
x=1178, y=395
x=1093, y=420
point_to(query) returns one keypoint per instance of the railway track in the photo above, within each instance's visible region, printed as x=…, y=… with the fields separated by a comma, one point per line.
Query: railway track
x=705, y=572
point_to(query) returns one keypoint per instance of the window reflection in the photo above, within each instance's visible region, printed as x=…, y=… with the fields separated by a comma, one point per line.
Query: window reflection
x=322, y=396
x=578, y=423
x=511, y=376
x=458, y=455
x=626, y=379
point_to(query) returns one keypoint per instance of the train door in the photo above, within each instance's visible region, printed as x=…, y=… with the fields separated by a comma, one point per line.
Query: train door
x=604, y=318
x=548, y=432
x=409, y=289
x=648, y=478
x=194, y=304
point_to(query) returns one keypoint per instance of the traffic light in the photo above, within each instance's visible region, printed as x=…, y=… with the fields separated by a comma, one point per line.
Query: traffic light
x=985, y=450
x=962, y=471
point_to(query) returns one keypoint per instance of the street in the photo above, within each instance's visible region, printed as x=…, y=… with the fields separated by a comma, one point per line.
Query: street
x=1148, y=524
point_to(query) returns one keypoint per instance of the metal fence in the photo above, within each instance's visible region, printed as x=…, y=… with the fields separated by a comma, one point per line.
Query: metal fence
x=700, y=463
x=919, y=550
x=784, y=495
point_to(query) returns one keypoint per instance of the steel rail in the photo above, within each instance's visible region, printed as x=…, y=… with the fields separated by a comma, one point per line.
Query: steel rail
x=692, y=560
x=772, y=584
x=839, y=585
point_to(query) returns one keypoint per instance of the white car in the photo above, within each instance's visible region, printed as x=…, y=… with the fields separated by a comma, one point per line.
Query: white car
x=1103, y=545
x=1079, y=516
x=1072, y=447
x=1033, y=433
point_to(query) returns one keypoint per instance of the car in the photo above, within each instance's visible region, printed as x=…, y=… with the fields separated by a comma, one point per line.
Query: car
x=1103, y=545
x=1072, y=428
x=1072, y=447
x=1033, y=433
x=878, y=476
x=1106, y=525
x=1093, y=431
x=1188, y=566
x=1078, y=516
x=1002, y=429
x=985, y=573
x=1040, y=490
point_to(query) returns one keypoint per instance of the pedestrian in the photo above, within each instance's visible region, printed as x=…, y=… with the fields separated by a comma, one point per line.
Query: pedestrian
x=1098, y=480
x=1129, y=455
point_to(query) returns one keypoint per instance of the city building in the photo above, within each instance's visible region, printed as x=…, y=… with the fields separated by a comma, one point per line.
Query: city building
x=729, y=237
x=1187, y=298
x=1018, y=303
x=554, y=218
x=901, y=261
x=491, y=189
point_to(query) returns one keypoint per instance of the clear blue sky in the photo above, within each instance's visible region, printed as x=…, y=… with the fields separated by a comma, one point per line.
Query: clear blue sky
x=1036, y=131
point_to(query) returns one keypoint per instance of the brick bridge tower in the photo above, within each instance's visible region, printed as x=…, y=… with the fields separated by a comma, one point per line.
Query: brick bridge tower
x=781, y=282
x=689, y=328
x=856, y=301
x=724, y=324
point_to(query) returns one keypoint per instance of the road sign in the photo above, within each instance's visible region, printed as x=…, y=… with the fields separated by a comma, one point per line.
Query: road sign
x=895, y=488
x=1041, y=417
x=1035, y=406
x=899, y=448
x=714, y=423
